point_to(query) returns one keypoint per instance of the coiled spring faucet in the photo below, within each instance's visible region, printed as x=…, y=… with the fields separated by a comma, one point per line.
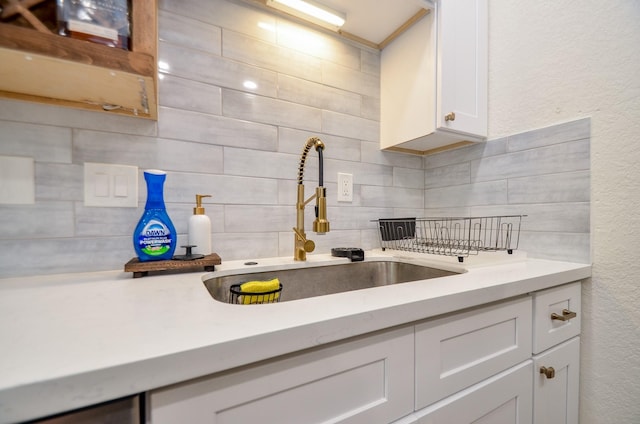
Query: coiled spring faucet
x=320, y=225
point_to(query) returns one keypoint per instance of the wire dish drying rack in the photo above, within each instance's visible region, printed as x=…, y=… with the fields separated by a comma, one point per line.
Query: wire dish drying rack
x=451, y=236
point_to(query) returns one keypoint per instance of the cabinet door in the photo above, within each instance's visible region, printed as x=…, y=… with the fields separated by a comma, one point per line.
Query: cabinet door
x=408, y=87
x=463, y=66
x=555, y=396
x=502, y=399
x=366, y=380
x=462, y=349
x=550, y=324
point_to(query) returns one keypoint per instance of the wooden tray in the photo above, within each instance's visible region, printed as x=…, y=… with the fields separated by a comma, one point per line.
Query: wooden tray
x=141, y=269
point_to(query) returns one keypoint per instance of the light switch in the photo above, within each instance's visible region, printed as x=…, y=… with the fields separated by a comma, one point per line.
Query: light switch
x=121, y=186
x=109, y=185
x=101, y=185
x=17, y=180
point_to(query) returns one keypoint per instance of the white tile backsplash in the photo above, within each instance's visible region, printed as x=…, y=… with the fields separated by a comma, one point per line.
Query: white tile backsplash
x=242, y=146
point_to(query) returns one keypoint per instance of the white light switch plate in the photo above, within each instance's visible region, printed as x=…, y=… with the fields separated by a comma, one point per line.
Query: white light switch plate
x=108, y=185
x=17, y=180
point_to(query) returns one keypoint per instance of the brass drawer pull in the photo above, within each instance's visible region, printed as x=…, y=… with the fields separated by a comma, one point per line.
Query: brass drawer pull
x=548, y=372
x=566, y=315
x=450, y=116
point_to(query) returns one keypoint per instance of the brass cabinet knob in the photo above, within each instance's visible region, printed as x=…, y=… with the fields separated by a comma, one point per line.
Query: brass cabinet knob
x=548, y=372
x=566, y=315
x=451, y=116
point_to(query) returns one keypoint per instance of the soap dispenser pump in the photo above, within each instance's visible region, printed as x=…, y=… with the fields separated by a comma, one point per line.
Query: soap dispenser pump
x=200, y=228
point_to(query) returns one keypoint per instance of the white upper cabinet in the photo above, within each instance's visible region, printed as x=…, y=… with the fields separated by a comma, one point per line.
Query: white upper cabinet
x=434, y=80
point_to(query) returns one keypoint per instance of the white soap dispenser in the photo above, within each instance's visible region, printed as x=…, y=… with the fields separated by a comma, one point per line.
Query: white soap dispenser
x=200, y=228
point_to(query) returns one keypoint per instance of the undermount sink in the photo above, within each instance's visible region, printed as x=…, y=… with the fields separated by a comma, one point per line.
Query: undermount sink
x=312, y=281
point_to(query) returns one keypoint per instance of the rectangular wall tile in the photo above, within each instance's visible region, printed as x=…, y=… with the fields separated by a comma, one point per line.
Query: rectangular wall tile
x=564, y=157
x=258, y=219
x=188, y=32
x=298, y=90
x=254, y=108
x=350, y=79
x=350, y=126
x=204, y=67
x=486, y=193
x=370, y=61
x=225, y=189
x=264, y=55
x=98, y=222
x=44, y=219
x=571, y=247
x=56, y=181
x=234, y=246
x=544, y=217
x=370, y=108
x=575, y=130
x=379, y=196
x=225, y=14
x=409, y=178
x=180, y=93
x=444, y=176
x=259, y=163
x=41, y=142
x=349, y=218
x=191, y=126
x=553, y=188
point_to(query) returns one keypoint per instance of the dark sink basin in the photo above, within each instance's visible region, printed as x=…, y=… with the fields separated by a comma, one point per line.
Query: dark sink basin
x=314, y=281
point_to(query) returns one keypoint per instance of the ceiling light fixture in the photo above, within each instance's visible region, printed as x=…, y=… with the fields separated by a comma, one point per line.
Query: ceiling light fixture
x=311, y=11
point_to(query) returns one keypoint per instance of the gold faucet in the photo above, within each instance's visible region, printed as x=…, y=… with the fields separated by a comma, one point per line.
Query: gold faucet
x=321, y=225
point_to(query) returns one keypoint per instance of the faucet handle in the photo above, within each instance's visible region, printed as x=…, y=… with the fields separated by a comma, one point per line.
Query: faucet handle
x=309, y=246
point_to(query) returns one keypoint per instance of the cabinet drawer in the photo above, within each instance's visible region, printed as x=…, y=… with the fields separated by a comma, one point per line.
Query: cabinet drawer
x=502, y=399
x=550, y=325
x=363, y=381
x=457, y=351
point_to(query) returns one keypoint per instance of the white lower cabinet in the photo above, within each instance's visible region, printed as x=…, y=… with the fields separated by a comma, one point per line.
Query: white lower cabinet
x=367, y=380
x=502, y=399
x=510, y=362
x=556, y=384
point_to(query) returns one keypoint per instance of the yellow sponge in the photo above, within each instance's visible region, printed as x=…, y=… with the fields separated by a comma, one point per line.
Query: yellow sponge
x=260, y=287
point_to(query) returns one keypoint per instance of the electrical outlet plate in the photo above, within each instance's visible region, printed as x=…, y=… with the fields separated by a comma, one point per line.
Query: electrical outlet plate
x=345, y=187
x=108, y=185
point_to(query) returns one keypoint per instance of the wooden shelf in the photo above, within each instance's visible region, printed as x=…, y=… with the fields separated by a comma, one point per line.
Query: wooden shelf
x=49, y=68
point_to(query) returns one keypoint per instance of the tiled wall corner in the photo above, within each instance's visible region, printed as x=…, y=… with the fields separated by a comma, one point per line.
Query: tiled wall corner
x=544, y=174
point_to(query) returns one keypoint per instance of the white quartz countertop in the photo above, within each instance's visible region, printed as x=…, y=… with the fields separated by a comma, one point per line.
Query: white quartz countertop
x=73, y=340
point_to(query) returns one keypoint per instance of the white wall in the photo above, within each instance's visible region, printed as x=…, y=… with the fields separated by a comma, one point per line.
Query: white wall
x=553, y=61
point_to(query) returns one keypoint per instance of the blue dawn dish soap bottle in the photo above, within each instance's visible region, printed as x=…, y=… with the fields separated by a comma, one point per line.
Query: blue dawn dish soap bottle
x=154, y=238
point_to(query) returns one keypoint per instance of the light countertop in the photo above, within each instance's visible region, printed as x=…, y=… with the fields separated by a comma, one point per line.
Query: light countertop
x=74, y=340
